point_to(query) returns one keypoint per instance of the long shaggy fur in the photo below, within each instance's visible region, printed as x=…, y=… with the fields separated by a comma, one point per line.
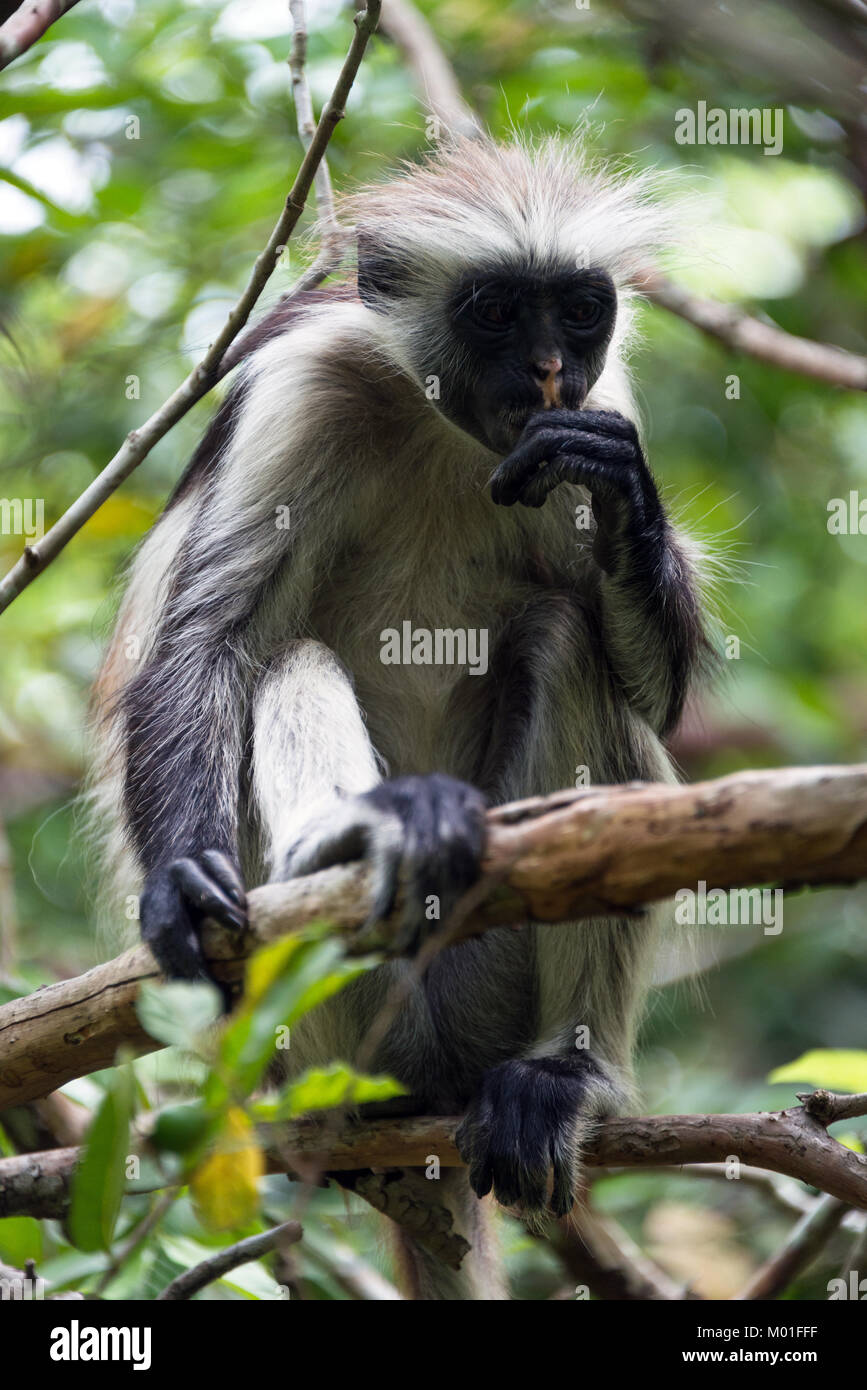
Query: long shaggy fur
x=331, y=500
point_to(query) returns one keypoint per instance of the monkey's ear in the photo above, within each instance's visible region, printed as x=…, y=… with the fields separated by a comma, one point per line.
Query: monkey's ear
x=381, y=275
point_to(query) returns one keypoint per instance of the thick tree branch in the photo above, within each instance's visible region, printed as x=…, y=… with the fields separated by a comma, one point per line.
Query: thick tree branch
x=27, y=25
x=791, y=1142
x=574, y=855
x=139, y=442
x=37, y=1184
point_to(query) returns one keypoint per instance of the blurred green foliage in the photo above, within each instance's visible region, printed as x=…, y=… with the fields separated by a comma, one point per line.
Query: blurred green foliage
x=144, y=154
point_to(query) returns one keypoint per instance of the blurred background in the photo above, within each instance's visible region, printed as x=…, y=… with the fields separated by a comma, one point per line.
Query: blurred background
x=145, y=151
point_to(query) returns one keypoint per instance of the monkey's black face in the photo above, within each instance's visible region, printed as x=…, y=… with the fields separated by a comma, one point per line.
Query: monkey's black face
x=535, y=342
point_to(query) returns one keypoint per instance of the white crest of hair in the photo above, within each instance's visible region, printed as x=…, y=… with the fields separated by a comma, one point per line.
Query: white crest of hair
x=545, y=202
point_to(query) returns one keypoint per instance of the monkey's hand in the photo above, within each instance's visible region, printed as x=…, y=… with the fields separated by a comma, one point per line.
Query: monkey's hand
x=528, y=1119
x=598, y=449
x=422, y=834
x=174, y=901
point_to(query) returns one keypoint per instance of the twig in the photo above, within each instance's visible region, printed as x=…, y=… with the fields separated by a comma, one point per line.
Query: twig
x=139, y=442
x=305, y=119
x=741, y=332
x=856, y=1260
x=215, y=1266
x=151, y=1219
x=599, y=1253
x=827, y=1107
x=25, y=1284
x=353, y=1274
x=577, y=854
x=8, y=910
x=810, y=1235
x=410, y=32
x=29, y=22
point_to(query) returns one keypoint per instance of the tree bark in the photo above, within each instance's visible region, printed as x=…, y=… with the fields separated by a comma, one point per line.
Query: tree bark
x=574, y=855
x=792, y=1142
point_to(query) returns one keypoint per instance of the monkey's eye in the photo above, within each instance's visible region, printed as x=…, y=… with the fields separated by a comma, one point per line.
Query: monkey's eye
x=582, y=314
x=493, y=313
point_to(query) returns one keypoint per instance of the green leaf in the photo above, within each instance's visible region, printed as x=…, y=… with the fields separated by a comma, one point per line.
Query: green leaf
x=835, y=1069
x=325, y=1088
x=312, y=971
x=20, y=1240
x=182, y=1128
x=98, y=1184
x=178, y=1012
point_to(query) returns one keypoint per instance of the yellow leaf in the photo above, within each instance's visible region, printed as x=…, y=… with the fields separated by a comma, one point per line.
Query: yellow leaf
x=837, y=1069
x=225, y=1184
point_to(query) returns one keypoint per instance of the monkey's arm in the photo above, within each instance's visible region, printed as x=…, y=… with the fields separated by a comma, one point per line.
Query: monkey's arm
x=185, y=715
x=648, y=596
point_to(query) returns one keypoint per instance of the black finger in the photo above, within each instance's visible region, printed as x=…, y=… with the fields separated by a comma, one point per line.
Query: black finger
x=520, y=468
x=223, y=871
x=385, y=852
x=348, y=841
x=204, y=895
x=578, y=470
x=608, y=422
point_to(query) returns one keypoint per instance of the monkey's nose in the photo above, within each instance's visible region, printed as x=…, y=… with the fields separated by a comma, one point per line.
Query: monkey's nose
x=544, y=367
x=547, y=372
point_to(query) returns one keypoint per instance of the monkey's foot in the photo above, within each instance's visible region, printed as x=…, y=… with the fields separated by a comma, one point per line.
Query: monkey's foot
x=525, y=1121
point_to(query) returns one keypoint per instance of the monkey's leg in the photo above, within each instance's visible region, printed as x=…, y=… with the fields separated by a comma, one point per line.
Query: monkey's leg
x=311, y=761
x=557, y=709
x=310, y=747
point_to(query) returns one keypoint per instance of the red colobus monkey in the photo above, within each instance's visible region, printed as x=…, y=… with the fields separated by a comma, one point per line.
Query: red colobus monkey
x=415, y=446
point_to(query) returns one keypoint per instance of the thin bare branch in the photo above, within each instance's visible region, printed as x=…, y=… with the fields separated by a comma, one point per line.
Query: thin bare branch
x=598, y=1252
x=827, y=1107
x=27, y=25
x=216, y=1266
x=807, y=1239
x=139, y=442
x=26, y=1285
x=305, y=118
x=742, y=332
x=410, y=32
